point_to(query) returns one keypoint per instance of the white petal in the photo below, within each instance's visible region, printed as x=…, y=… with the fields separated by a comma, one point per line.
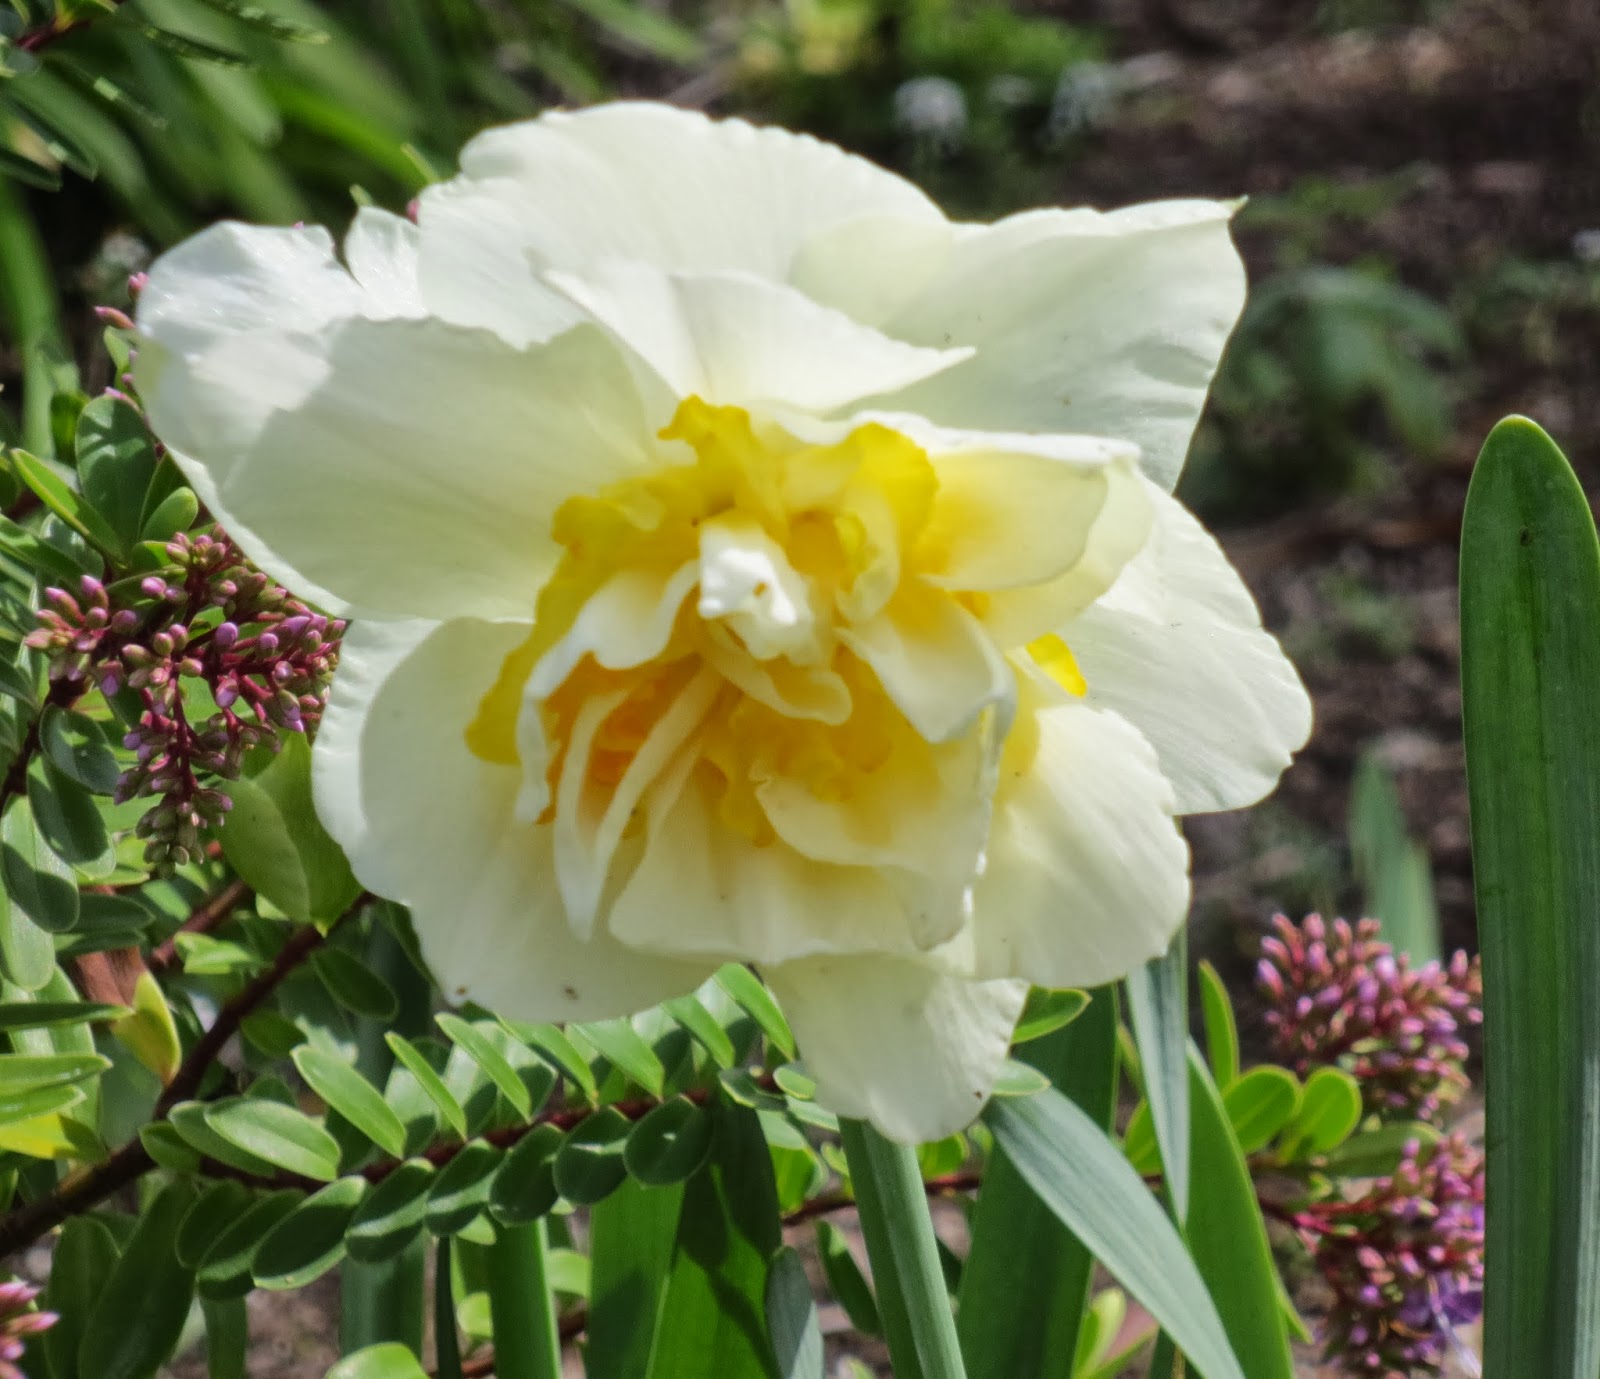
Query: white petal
x=935, y=660
x=746, y=580
x=381, y=250
x=428, y=824
x=626, y=622
x=1177, y=648
x=733, y=338
x=1107, y=325
x=701, y=888
x=874, y=265
x=634, y=181
x=1087, y=875
x=924, y=824
x=409, y=468
x=898, y=1043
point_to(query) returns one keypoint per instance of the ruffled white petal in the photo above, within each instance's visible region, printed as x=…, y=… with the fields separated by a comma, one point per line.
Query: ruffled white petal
x=1101, y=324
x=701, y=888
x=408, y=468
x=734, y=338
x=898, y=1043
x=426, y=823
x=873, y=266
x=935, y=660
x=381, y=251
x=1177, y=648
x=1087, y=875
x=636, y=181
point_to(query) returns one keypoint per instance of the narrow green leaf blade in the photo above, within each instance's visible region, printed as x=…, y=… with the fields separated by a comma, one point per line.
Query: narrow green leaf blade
x=1530, y=662
x=792, y=1319
x=1158, y=1010
x=631, y=1237
x=277, y=1133
x=1228, y=1238
x=1027, y=1277
x=1078, y=1174
x=353, y=1097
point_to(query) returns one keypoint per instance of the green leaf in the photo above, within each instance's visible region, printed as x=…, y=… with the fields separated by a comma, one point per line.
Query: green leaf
x=1047, y=1011
x=481, y=1048
x=39, y=884
x=140, y=1312
x=566, y=1056
x=69, y=823
x=525, y=1188
x=44, y=1014
x=1377, y=1153
x=27, y=172
x=74, y=744
x=1077, y=1173
x=310, y=1239
x=188, y=1119
x=1260, y=1104
x=711, y=1309
x=84, y=1258
x=216, y=1207
x=1530, y=659
x=700, y=1022
x=225, y=1271
x=195, y=49
x=273, y=839
x=1027, y=1277
x=168, y=1148
x=116, y=461
x=746, y=989
x=173, y=514
x=388, y=1360
x=1228, y=1238
x=846, y=1282
x=27, y=953
x=227, y=1337
x=353, y=984
x=53, y=491
x=353, y=1097
x=1222, y=1032
x=1391, y=865
x=277, y=1133
x=669, y=1143
x=22, y=1072
x=267, y=22
x=390, y=1216
x=1158, y=1010
x=589, y=1165
x=460, y=1194
x=411, y=1058
x=625, y=1048
x=1330, y=1110
x=792, y=1319
x=631, y=1236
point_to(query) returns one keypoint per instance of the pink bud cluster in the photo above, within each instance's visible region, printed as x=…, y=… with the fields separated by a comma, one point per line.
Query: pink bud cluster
x=206, y=618
x=1337, y=994
x=1404, y=1260
x=17, y=1323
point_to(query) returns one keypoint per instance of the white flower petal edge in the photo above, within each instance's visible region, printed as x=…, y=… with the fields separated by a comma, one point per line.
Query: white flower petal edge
x=1107, y=325
x=428, y=824
x=900, y=1044
x=1177, y=648
x=635, y=181
x=1087, y=874
x=354, y=456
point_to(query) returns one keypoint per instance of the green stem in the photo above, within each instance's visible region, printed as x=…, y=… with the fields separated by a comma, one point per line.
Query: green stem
x=912, y=1299
x=446, y=1344
x=527, y=1343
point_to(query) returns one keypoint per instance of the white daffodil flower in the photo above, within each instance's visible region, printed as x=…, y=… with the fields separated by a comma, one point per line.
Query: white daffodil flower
x=747, y=564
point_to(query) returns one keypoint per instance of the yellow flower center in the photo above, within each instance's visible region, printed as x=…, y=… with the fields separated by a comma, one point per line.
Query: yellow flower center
x=790, y=542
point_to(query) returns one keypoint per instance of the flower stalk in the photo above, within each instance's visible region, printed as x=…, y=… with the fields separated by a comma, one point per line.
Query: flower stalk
x=912, y=1299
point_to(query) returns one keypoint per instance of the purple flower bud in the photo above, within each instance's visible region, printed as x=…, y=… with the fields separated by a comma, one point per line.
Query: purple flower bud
x=154, y=586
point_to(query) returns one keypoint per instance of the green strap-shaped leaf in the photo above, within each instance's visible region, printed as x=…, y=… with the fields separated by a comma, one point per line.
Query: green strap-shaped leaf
x=1078, y=1173
x=792, y=1319
x=1227, y=1236
x=1530, y=668
x=84, y=1257
x=227, y=1337
x=631, y=1237
x=1222, y=1031
x=414, y=1063
x=1391, y=865
x=140, y=1312
x=1158, y=1010
x=712, y=1318
x=1027, y=1277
